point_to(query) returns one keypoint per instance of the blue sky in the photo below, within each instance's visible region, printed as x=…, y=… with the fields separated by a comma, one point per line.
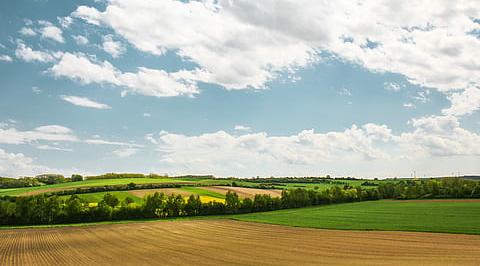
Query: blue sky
x=213, y=88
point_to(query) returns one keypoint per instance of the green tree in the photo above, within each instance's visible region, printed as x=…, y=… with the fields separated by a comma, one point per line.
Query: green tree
x=232, y=203
x=111, y=200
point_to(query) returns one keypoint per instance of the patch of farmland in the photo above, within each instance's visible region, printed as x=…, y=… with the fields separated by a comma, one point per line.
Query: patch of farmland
x=205, y=196
x=25, y=191
x=167, y=191
x=226, y=242
x=244, y=192
x=447, y=216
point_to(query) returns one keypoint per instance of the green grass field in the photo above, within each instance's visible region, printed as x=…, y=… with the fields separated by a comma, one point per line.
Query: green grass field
x=200, y=181
x=203, y=192
x=98, y=196
x=95, y=182
x=121, y=195
x=426, y=216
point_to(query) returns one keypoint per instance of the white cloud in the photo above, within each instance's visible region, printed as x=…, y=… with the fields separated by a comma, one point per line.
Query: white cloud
x=49, y=137
x=221, y=153
x=439, y=136
x=391, y=86
x=65, y=21
x=28, y=55
x=408, y=105
x=43, y=133
x=422, y=96
x=147, y=114
x=344, y=92
x=150, y=82
x=236, y=55
x=18, y=164
x=5, y=58
x=429, y=44
x=52, y=148
x=52, y=32
x=159, y=83
x=127, y=152
x=85, y=102
x=36, y=90
x=78, y=67
x=463, y=103
x=242, y=128
x=80, y=40
x=27, y=31
x=114, y=48
x=113, y=143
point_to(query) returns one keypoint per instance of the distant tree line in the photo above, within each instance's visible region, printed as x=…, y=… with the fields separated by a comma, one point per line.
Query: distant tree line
x=40, y=180
x=51, y=209
x=121, y=187
x=449, y=187
x=49, y=179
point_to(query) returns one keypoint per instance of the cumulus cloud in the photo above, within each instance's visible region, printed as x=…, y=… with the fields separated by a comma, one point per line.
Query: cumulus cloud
x=52, y=32
x=18, y=164
x=65, y=21
x=85, y=102
x=392, y=86
x=253, y=153
x=5, y=58
x=79, y=67
x=220, y=151
x=440, y=136
x=26, y=31
x=465, y=102
x=27, y=54
x=429, y=44
x=114, y=48
x=126, y=152
x=242, y=128
x=80, y=40
x=146, y=81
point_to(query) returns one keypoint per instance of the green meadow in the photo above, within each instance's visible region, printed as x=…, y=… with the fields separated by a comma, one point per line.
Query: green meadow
x=396, y=215
x=96, y=182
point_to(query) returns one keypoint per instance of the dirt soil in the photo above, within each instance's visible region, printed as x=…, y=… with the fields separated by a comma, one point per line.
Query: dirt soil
x=244, y=192
x=226, y=242
x=167, y=191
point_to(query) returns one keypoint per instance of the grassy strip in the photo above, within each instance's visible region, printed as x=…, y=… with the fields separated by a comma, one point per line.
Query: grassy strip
x=388, y=215
x=203, y=192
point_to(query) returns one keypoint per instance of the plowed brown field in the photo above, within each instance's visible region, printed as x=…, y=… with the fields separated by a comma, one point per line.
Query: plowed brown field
x=225, y=242
x=167, y=191
x=244, y=192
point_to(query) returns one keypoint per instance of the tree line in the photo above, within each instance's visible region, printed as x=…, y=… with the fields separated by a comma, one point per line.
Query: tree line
x=51, y=209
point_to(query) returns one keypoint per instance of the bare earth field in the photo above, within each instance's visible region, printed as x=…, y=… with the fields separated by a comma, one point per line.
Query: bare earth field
x=244, y=192
x=226, y=242
x=167, y=191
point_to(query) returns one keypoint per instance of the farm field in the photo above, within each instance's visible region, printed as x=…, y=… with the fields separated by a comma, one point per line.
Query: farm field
x=214, y=193
x=243, y=192
x=448, y=216
x=29, y=191
x=98, y=196
x=205, y=195
x=26, y=191
x=217, y=242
